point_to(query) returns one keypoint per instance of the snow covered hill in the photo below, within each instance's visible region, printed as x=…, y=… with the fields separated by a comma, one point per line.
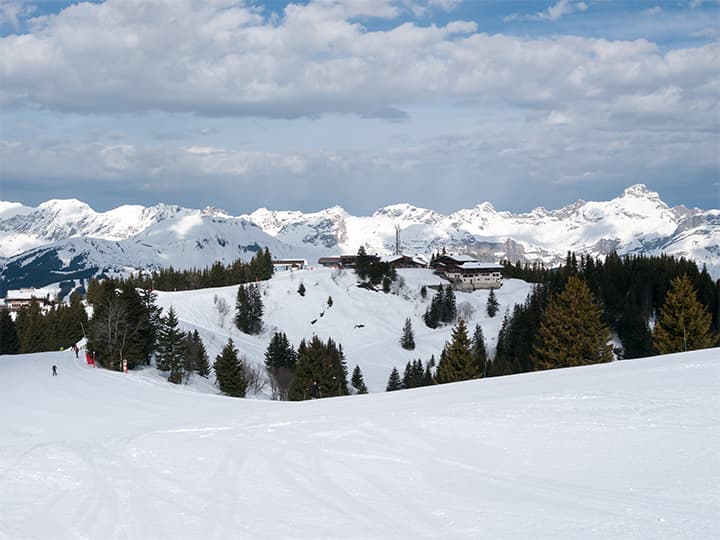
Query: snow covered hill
x=36, y=241
x=374, y=346
x=623, y=450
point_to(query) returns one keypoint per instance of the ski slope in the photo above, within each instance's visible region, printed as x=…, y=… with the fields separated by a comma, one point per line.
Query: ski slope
x=622, y=450
x=367, y=324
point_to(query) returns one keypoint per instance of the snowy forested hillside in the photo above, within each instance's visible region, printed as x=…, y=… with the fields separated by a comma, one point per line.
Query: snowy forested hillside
x=621, y=450
x=375, y=346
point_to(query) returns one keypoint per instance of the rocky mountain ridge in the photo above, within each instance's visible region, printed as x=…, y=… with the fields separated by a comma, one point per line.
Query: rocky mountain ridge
x=68, y=238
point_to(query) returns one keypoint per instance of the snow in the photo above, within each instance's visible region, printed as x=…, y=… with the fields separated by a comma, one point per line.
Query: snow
x=375, y=347
x=622, y=450
x=637, y=221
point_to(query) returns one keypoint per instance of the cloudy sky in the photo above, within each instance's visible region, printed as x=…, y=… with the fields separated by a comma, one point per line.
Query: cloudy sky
x=362, y=103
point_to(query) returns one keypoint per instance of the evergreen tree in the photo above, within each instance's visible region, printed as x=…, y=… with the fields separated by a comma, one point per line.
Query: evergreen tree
x=115, y=332
x=394, y=382
x=633, y=331
x=201, y=361
x=433, y=312
x=31, y=328
x=280, y=352
x=429, y=375
x=449, y=307
x=362, y=264
x=479, y=353
x=171, y=348
x=280, y=360
x=249, y=309
x=152, y=320
x=683, y=324
x=229, y=372
x=357, y=381
x=9, y=341
x=572, y=332
x=456, y=360
x=321, y=362
x=492, y=306
x=407, y=340
x=301, y=289
x=414, y=375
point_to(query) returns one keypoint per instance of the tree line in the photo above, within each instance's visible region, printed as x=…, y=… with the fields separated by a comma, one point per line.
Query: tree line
x=218, y=274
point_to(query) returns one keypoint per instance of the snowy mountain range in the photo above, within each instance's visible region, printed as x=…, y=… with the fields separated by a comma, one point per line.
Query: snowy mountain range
x=66, y=239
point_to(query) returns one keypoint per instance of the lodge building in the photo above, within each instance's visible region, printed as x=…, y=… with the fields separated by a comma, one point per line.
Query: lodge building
x=467, y=273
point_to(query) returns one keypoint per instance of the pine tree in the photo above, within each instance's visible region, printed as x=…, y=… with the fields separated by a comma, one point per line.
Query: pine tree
x=362, y=264
x=683, y=324
x=633, y=330
x=229, y=372
x=429, y=375
x=249, y=309
x=407, y=341
x=280, y=360
x=414, y=375
x=31, y=328
x=152, y=320
x=357, y=381
x=321, y=362
x=479, y=353
x=171, y=348
x=9, y=341
x=394, y=382
x=572, y=332
x=449, y=307
x=280, y=352
x=433, y=313
x=492, y=304
x=456, y=360
x=201, y=360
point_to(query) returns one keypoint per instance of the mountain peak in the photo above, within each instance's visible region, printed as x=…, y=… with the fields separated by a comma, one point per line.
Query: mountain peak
x=640, y=191
x=69, y=206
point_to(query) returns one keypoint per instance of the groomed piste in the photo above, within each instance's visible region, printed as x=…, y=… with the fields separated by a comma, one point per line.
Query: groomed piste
x=621, y=450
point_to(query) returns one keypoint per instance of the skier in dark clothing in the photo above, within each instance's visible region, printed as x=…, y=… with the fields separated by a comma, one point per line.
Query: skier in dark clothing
x=315, y=390
x=54, y=368
x=75, y=348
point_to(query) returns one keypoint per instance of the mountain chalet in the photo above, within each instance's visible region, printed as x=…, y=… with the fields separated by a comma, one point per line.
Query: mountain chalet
x=467, y=273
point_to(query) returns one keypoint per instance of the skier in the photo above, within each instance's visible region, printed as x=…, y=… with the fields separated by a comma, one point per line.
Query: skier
x=315, y=390
x=75, y=348
x=54, y=369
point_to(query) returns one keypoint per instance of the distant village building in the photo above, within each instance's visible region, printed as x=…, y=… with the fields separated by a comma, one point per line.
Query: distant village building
x=467, y=273
x=16, y=299
x=406, y=261
x=343, y=261
x=281, y=265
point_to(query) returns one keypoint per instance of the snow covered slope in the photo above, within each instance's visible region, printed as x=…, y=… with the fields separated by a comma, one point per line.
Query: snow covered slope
x=375, y=346
x=623, y=450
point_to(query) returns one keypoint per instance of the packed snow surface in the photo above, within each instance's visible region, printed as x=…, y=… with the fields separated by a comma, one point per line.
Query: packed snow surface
x=621, y=450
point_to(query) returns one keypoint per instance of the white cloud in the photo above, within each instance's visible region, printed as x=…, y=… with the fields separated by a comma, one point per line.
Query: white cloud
x=656, y=10
x=552, y=13
x=183, y=56
x=12, y=11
